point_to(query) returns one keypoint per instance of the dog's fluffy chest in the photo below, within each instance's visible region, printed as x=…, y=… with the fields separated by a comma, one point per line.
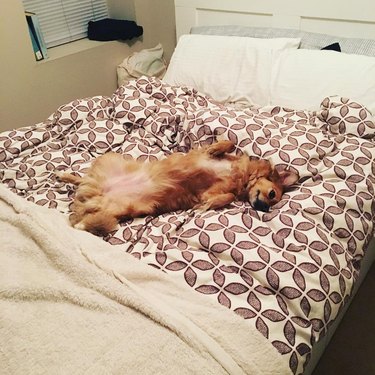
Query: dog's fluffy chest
x=220, y=167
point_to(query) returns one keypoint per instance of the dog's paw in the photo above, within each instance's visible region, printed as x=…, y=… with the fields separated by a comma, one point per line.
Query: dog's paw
x=80, y=226
x=59, y=175
x=201, y=207
x=220, y=148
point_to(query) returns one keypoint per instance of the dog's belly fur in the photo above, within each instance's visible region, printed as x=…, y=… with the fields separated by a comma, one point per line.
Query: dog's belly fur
x=130, y=184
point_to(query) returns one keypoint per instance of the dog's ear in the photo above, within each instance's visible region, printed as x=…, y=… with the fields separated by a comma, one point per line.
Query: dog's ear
x=264, y=168
x=287, y=178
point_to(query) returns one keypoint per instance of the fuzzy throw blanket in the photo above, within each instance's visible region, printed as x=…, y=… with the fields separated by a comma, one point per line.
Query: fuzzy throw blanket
x=73, y=304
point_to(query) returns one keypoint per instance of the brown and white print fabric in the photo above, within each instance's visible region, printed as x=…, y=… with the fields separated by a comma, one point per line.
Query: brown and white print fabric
x=288, y=272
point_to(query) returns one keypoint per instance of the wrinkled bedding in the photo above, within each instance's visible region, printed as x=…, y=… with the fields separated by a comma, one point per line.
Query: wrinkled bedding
x=287, y=272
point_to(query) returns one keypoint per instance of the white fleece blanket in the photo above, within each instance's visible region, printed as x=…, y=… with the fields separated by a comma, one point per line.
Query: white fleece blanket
x=73, y=304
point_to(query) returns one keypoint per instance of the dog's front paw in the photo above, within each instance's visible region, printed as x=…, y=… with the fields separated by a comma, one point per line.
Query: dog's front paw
x=201, y=207
x=220, y=148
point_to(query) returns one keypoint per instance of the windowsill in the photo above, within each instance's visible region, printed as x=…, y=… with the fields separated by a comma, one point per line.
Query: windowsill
x=71, y=48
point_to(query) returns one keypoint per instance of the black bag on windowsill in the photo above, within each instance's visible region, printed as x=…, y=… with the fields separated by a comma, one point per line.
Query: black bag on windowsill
x=111, y=29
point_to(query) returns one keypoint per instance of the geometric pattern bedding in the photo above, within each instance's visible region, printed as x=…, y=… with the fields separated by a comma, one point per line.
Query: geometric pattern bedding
x=287, y=272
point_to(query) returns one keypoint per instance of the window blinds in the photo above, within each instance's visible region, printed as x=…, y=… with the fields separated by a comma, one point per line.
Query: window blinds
x=63, y=21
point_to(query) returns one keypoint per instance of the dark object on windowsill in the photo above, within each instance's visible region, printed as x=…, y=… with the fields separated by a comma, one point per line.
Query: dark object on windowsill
x=333, y=47
x=110, y=29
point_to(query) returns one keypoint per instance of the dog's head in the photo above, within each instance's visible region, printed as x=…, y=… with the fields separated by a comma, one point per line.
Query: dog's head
x=267, y=185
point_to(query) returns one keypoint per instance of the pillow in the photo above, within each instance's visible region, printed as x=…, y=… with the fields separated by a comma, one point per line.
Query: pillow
x=301, y=79
x=309, y=40
x=230, y=69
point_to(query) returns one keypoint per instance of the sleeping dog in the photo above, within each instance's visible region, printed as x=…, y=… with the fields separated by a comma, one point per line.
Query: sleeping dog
x=207, y=178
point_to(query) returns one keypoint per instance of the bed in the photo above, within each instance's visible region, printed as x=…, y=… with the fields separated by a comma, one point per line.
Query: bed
x=224, y=291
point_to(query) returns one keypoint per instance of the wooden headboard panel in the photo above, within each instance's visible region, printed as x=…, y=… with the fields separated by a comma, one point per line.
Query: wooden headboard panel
x=354, y=19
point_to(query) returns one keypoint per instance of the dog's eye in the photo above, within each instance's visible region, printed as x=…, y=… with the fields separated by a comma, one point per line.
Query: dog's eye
x=271, y=194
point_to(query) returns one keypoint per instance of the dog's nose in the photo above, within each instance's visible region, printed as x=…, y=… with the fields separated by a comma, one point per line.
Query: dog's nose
x=261, y=206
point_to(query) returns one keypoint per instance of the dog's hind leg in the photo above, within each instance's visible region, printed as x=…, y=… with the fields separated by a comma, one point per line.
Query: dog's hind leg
x=68, y=177
x=133, y=209
x=220, y=148
x=102, y=219
x=99, y=223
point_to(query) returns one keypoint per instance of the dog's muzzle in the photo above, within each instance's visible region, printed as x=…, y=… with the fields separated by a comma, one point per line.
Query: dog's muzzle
x=261, y=206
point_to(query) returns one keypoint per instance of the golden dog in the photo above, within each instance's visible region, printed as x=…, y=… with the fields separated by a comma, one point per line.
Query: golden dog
x=207, y=178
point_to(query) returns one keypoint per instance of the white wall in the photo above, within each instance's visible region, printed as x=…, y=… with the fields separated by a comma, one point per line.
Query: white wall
x=30, y=91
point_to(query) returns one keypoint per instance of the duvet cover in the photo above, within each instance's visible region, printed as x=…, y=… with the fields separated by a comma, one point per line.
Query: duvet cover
x=287, y=272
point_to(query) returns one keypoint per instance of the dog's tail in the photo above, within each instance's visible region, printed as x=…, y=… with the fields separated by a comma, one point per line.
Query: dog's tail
x=68, y=177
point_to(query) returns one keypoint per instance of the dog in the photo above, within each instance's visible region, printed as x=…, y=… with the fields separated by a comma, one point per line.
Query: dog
x=207, y=178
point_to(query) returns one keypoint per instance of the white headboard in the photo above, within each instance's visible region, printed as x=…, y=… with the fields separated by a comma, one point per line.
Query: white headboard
x=353, y=19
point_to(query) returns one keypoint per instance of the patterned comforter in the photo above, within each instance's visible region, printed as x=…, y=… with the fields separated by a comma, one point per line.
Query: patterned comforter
x=287, y=272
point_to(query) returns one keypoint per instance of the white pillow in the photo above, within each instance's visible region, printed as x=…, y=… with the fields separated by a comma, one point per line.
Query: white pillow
x=229, y=68
x=301, y=79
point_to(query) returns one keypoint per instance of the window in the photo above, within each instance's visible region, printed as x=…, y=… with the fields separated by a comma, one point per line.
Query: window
x=63, y=21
